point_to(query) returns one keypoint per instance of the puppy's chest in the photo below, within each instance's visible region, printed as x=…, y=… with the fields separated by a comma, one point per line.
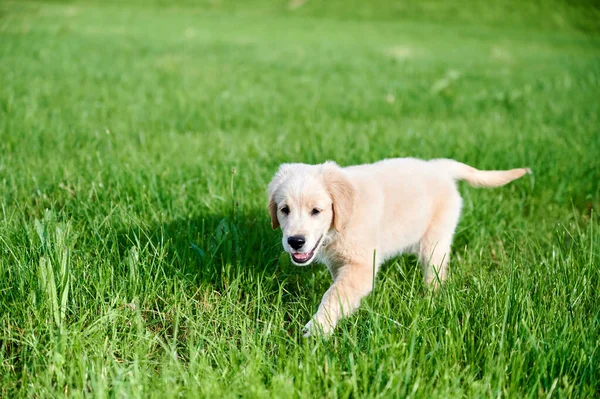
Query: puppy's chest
x=332, y=255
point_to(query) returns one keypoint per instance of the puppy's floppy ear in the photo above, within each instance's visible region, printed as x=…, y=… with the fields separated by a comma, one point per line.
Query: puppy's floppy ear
x=271, y=190
x=342, y=192
x=273, y=213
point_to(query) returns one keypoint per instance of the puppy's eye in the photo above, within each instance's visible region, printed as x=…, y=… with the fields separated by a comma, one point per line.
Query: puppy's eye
x=315, y=212
x=285, y=210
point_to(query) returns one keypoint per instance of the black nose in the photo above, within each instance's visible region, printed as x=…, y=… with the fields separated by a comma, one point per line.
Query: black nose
x=296, y=242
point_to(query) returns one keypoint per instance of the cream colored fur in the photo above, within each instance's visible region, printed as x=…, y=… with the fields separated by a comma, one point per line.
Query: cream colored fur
x=349, y=214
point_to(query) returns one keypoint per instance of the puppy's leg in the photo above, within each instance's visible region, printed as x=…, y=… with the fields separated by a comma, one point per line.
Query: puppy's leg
x=351, y=284
x=434, y=255
x=434, y=248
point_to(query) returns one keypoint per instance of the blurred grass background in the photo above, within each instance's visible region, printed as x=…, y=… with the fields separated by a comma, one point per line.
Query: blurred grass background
x=134, y=263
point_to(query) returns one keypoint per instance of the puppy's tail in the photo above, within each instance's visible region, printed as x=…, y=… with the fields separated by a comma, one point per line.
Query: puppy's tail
x=479, y=178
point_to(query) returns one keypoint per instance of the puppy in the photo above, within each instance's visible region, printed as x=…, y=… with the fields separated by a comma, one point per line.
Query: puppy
x=354, y=218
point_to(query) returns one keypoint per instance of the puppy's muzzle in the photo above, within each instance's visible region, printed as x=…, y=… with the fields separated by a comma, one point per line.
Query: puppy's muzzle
x=296, y=242
x=301, y=258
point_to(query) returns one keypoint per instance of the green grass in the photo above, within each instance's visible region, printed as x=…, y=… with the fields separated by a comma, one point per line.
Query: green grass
x=134, y=263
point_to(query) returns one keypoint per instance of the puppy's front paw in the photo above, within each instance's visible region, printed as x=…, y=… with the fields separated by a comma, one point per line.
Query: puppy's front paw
x=309, y=329
x=316, y=327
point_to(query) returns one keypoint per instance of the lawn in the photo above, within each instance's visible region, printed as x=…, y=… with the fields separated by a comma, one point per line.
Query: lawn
x=136, y=142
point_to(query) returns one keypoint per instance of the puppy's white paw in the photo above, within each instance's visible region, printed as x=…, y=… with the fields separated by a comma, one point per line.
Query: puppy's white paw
x=308, y=329
x=315, y=327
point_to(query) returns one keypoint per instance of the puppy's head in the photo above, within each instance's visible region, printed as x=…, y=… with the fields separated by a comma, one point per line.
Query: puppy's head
x=308, y=202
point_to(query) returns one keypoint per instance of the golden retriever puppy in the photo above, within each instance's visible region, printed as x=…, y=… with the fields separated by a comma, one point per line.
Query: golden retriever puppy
x=354, y=218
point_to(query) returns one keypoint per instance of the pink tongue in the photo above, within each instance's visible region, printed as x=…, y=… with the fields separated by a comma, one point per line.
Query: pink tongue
x=301, y=256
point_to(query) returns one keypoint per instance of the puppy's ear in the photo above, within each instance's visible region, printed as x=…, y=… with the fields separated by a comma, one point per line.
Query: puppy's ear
x=273, y=213
x=272, y=189
x=342, y=192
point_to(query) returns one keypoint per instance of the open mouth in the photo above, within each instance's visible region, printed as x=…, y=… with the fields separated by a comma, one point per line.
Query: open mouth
x=303, y=257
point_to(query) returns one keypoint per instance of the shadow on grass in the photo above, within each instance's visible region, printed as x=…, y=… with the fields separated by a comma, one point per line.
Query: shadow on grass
x=210, y=248
x=234, y=256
